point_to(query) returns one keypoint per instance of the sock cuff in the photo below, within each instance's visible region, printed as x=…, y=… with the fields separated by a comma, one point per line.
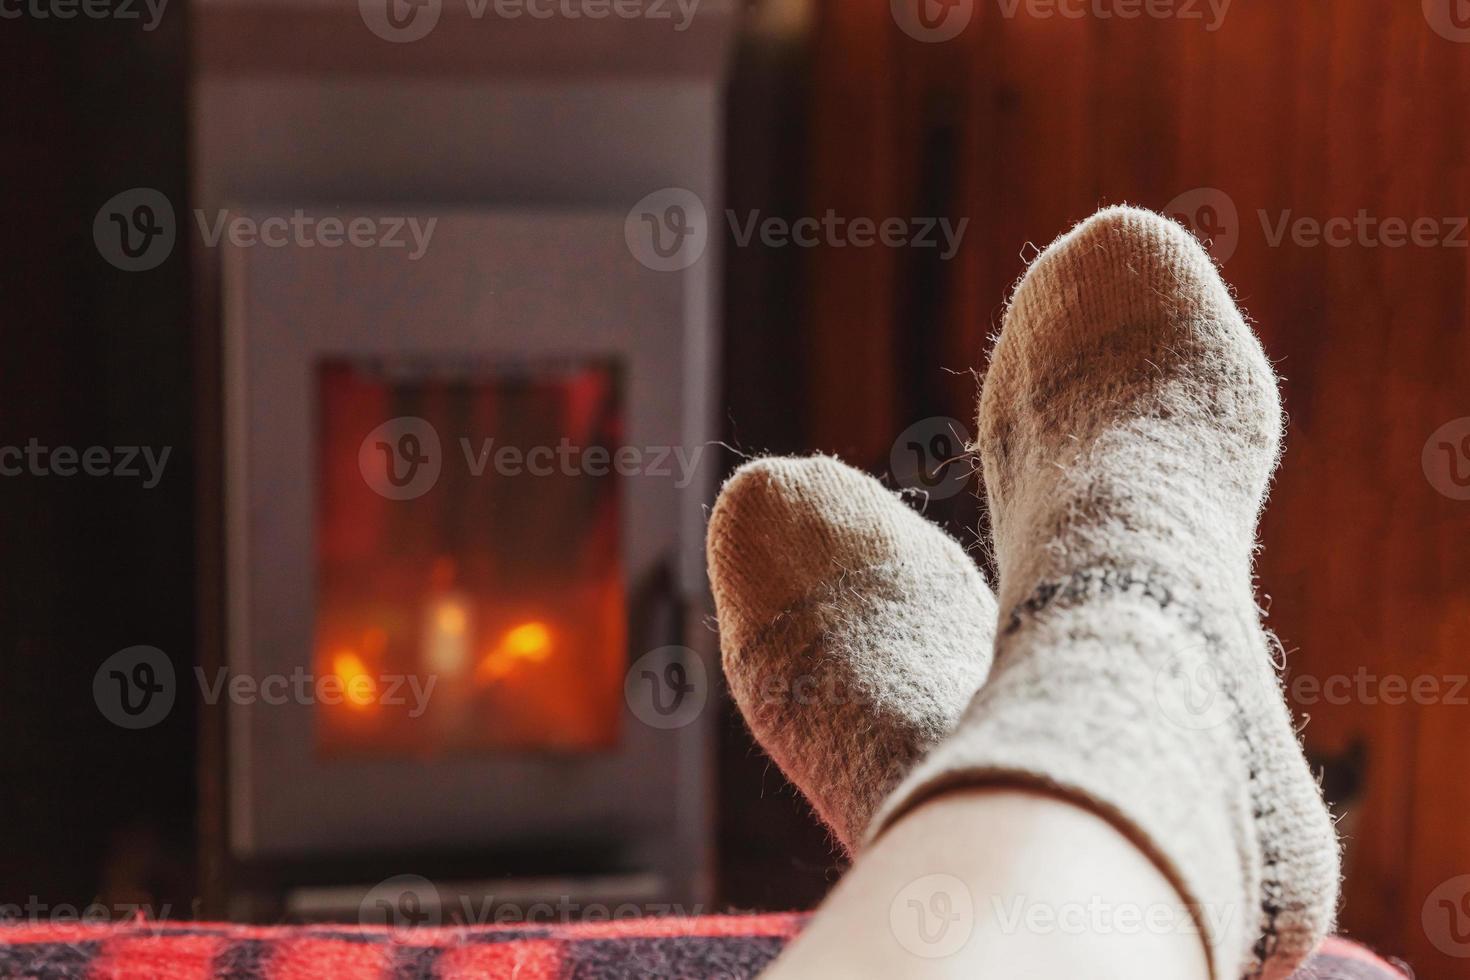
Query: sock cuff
x=1083, y=721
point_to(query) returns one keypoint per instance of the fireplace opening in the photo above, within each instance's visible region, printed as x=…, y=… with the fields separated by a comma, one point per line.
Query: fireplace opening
x=470, y=595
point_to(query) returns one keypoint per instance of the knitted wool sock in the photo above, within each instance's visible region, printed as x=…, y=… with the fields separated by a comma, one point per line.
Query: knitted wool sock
x=1129, y=428
x=853, y=631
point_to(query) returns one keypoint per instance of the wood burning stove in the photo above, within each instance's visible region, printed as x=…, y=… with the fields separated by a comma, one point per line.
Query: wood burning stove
x=438, y=474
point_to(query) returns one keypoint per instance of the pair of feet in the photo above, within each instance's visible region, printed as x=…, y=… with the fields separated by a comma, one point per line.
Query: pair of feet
x=1129, y=425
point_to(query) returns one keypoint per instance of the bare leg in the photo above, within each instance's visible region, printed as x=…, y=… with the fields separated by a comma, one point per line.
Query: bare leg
x=1001, y=883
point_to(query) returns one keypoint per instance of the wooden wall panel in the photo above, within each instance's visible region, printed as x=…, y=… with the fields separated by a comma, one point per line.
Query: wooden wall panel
x=857, y=161
x=1301, y=106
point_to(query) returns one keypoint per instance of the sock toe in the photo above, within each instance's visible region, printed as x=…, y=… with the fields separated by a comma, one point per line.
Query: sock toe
x=782, y=526
x=1128, y=310
x=852, y=631
x=1130, y=261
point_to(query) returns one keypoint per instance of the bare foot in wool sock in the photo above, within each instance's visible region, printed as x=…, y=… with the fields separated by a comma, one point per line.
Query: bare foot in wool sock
x=853, y=631
x=1129, y=428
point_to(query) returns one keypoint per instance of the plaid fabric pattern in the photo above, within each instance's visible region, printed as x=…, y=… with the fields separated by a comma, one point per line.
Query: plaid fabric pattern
x=705, y=948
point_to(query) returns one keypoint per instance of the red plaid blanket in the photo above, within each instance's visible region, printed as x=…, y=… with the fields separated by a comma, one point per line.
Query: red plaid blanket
x=726, y=947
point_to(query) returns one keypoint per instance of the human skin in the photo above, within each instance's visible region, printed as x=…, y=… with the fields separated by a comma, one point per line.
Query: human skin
x=1005, y=883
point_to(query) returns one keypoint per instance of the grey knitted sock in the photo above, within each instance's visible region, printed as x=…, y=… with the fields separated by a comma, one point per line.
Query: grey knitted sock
x=853, y=631
x=1129, y=427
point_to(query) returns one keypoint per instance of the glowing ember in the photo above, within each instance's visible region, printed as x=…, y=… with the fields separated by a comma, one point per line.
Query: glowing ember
x=527, y=643
x=360, y=687
x=529, y=640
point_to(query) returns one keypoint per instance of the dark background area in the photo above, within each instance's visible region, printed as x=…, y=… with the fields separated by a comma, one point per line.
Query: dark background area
x=1024, y=126
x=93, y=356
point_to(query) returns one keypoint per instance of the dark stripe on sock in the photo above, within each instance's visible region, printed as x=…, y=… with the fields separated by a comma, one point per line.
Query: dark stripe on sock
x=1103, y=581
x=1100, y=582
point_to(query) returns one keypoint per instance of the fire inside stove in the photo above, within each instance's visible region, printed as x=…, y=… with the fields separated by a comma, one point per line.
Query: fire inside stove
x=469, y=587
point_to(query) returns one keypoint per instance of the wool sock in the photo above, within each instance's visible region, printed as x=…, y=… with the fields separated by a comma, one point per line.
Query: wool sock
x=853, y=630
x=1129, y=427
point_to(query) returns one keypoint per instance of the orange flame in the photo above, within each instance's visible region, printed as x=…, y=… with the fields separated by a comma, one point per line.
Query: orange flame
x=526, y=643
x=361, y=687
